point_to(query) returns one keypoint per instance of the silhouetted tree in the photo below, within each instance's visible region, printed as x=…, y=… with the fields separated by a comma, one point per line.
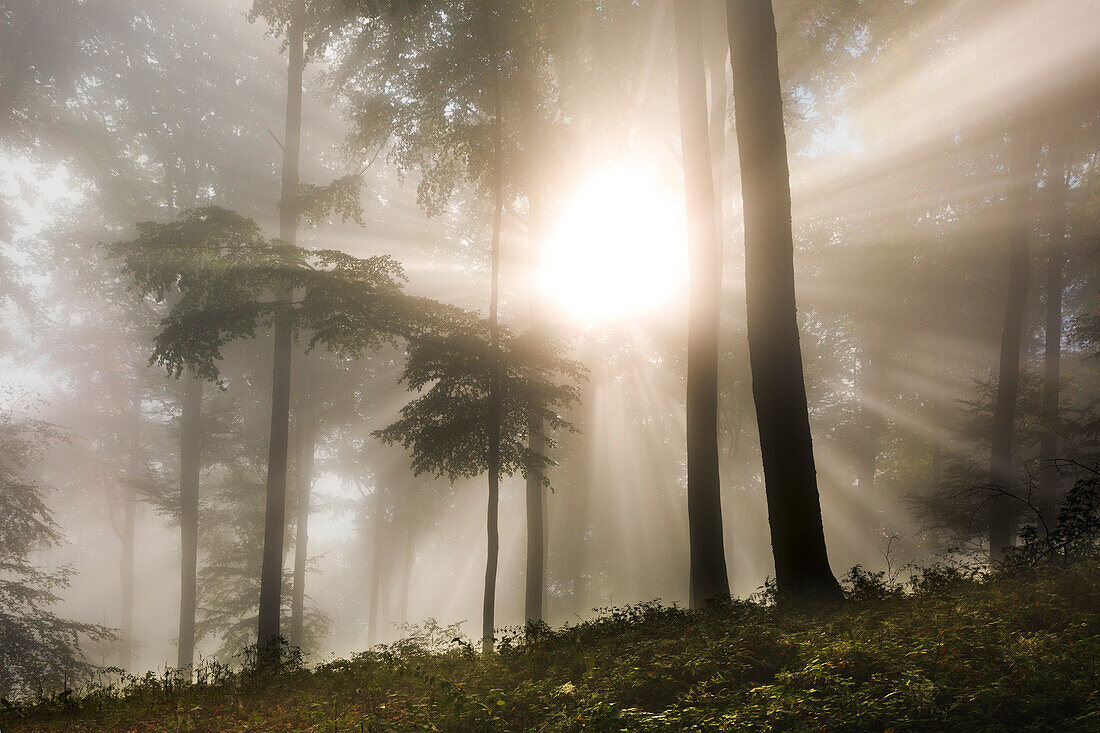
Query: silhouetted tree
x=779, y=390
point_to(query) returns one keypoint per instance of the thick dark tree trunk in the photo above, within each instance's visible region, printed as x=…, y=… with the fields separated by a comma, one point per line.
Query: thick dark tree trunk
x=488, y=610
x=1052, y=354
x=307, y=445
x=190, y=463
x=271, y=575
x=708, y=561
x=779, y=389
x=1002, y=474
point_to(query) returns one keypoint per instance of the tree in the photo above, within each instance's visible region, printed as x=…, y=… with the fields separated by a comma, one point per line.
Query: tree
x=779, y=389
x=307, y=425
x=1001, y=472
x=271, y=574
x=450, y=85
x=483, y=393
x=1052, y=348
x=708, y=560
x=38, y=650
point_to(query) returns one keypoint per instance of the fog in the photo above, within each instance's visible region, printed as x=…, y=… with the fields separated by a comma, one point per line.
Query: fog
x=911, y=128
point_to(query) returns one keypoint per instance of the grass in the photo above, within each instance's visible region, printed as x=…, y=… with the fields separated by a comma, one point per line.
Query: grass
x=957, y=651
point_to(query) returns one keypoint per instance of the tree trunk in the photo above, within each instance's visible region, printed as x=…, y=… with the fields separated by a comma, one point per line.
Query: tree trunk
x=1001, y=471
x=376, y=564
x=271, y=575
x=708, y=561
x=716, y=53
x=488, y=611
x=307, y=445
x=1052, y=353
x=535, y=580
x=775, y=357
x=126, y=559
x=190, y=463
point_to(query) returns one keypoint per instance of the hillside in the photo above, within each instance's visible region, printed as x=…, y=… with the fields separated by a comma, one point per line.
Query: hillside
x=956, y=652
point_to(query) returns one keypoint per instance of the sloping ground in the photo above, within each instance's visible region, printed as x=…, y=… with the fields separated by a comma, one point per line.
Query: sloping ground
x=1012, y=653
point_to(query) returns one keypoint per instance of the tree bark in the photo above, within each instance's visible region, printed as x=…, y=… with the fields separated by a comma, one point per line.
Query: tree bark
x=307, y=446
x=716, y=53
x=775, y=357
x=708, y=578
x=488, y=610
x=190, y=464
x=1001, y=470
x=535, y=579
x=271, y=575
x=1052, y=353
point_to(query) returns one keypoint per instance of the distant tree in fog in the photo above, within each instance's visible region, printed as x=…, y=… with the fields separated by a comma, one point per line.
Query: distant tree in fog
x=37, y=648
x=707, y=549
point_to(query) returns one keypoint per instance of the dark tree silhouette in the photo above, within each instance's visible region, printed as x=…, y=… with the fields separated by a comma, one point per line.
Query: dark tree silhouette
x=778, y=385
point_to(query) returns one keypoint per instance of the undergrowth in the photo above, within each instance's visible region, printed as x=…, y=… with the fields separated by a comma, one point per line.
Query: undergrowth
x=954, y=649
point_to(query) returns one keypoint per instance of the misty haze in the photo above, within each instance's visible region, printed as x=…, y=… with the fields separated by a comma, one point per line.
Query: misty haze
x=549, y=365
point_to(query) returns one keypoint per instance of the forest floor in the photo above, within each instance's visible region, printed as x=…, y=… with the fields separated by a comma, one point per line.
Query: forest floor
x=955, y=651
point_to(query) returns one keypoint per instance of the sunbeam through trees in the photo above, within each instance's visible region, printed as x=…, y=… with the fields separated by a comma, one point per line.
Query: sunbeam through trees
x=549, y=365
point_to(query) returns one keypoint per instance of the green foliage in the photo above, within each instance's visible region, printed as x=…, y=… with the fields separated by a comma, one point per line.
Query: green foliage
x=446, y=427
x=229, y=281
x=1003, y=652
x=451, y=85
x=38, y=650
x=316, y=204
x=1074, y=538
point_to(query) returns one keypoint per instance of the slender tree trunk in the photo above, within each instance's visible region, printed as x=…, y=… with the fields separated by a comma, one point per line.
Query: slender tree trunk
x=376, y=565
x=271, y=575
x=1001, y=470
x=869, y=445
x=1052, y=353
x=406, y=574
x=190, y=463
x=488, y=611
x=708, y=561
x=779, y=389
x=716, y=53
x=126, y=560
x=307, y=446
x=536, y=536
x=535, y=585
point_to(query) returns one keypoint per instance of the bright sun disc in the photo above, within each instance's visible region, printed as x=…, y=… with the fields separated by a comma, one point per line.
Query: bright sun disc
x=618, y=248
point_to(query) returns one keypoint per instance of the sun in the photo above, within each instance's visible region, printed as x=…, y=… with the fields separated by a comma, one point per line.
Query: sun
x=619, y=246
